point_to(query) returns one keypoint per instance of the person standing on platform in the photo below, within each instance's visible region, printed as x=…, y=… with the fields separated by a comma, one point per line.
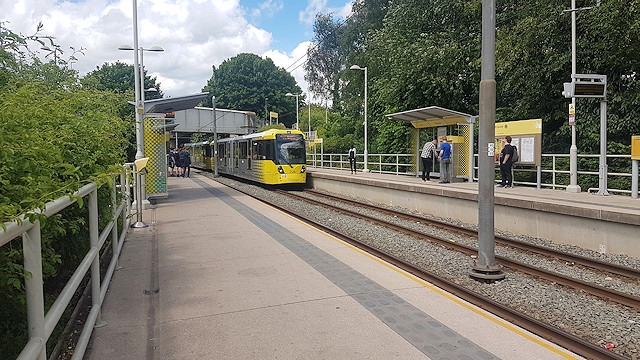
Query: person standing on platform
x=445, y=161
x=186, y=162
x=172, y=161
x=178, y=162
x=428, y=153
x=506, y=155
x=352, y=159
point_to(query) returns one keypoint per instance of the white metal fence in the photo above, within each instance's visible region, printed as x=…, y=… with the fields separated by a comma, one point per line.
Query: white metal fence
x=42, y=325
x=554, y=173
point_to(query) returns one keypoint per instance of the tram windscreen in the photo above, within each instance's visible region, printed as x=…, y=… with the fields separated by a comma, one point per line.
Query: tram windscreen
x=290, y=149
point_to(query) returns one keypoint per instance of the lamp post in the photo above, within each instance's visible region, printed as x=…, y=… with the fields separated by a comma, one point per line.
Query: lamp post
x=215, y=137
x=573, y=186
x=140, y=98
x=297, y=120
x=366, y=153
x=309, y=115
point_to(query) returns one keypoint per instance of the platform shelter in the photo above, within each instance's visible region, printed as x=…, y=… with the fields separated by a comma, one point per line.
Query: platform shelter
x=156, y=134
x=435, y=121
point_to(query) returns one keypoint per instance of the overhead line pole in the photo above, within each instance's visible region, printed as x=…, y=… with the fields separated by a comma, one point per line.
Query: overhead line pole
x=485, y=268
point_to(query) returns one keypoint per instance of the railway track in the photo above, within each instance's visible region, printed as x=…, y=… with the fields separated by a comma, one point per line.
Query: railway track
x=602, y=292
x=546, y=330
x=630, y=273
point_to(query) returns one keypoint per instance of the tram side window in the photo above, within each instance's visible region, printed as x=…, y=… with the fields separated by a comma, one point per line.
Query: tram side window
x=255, y=150
x=243, y=149
x=207, y=150
x=265, y=150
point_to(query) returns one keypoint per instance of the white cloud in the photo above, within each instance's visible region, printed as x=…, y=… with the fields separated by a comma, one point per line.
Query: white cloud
x=292, y=62
x=195, y=34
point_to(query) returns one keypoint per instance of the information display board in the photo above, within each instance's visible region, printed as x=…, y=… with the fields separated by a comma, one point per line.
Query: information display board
x=526, y=136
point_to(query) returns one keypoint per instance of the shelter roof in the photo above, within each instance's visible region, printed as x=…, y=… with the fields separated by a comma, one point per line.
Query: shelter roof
x=166, y=105
x=432, y=116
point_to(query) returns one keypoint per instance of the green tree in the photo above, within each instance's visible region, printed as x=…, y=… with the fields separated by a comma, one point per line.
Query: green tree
x=120, y=78
x=324, y=59
x=248, y=82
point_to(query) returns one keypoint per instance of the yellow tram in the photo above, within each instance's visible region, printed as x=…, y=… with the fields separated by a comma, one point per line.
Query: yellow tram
x=270, y=157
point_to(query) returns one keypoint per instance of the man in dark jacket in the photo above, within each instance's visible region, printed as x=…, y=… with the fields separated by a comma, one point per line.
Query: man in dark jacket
x=506, y=157
x=185, y=158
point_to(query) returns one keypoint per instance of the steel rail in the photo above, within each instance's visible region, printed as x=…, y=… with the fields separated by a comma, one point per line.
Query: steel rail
x=596, y=290
x=505, y=241
x=553, y=334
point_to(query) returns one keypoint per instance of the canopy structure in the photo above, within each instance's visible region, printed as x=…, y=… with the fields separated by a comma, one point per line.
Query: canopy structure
x=432, y=116
x=445, y=120
x=167, y=105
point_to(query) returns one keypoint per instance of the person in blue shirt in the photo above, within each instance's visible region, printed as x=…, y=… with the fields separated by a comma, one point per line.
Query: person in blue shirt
x=445, y=161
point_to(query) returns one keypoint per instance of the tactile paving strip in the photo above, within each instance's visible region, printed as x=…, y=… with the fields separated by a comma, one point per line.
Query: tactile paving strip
x=428, y=335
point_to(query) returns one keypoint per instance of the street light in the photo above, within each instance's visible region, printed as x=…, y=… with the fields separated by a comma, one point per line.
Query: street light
x=366, y=153
x=309, y=93
x=573, y=186
x=297, y=120
x=140, y=98
x=139, y=110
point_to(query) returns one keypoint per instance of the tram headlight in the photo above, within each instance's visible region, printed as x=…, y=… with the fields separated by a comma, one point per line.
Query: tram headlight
x=304, y=168
x=280, y=170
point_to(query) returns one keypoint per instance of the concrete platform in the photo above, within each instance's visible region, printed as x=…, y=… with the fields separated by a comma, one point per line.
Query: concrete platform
x=218, y=275
x=601, y=223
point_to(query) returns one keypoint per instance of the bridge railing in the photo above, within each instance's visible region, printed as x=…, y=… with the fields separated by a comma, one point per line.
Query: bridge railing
x=553, y=173
x=42, y=325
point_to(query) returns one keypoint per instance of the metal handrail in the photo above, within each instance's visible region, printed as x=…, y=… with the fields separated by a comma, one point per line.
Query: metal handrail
x=405, y=164
x=41, y=325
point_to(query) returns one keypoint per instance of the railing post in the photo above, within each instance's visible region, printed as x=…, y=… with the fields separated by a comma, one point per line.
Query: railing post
x=553, y=183
x=114, y=216
x=539, y=177
x=634, y=179
x=32, y=247
x=93, y=240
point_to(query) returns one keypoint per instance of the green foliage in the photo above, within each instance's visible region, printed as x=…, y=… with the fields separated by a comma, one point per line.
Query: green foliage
x=120, y=78
x=428, y=53
x=56, y=137
x=248, y=82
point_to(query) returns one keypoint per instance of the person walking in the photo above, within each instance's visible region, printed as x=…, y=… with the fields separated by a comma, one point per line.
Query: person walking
x=428, y=153
x=506, y=157
x=186, y=162
x=352, y=159
x=445, y=161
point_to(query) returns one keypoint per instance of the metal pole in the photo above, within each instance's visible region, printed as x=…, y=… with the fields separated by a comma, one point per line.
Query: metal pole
x=573, y=151
x=94, y=239
x=215, y=138
x=139, y=108
x=634, y=179
x=143, y=182
x=297, y=119
x=139, y=223
x=32, y=249
x=309, y=115
x=366, y=151
x=485, y=268
x=603, y=149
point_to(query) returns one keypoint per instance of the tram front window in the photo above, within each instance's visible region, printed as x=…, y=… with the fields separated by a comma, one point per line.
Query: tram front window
x=290, y=149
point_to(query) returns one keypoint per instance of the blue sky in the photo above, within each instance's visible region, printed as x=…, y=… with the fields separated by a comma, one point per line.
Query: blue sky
x=291, y=21
x=195, y=34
